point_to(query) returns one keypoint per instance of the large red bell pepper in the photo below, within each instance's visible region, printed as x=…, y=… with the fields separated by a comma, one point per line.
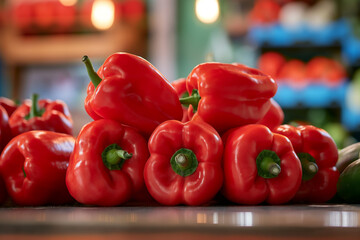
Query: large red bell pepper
x=274, y=117
x=33, y=166
x=185, y=163
x=9, y=105
x=5, y=132
x=106, y=167
x=41, y=115
x=229, y=95
x=180, y=88
x=318, y=154
x=259, y=166
x=127, y=88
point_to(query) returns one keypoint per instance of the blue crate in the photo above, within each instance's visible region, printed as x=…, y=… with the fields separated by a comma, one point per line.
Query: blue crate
x=316, y=95
x=311, y=96
x=350, y=119
x=278, y=35
x=287, y=96
x=351, y=49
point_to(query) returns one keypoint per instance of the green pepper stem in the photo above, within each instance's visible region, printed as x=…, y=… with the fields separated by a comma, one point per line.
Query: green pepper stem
x=308, y=165
x=34, y=112
x=184, y=162
x=114, y=157
x=268, y=164
x=95, y=79
x=193, y=99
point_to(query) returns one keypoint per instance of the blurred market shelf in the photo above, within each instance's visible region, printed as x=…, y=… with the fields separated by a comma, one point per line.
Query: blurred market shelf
x=18, y=49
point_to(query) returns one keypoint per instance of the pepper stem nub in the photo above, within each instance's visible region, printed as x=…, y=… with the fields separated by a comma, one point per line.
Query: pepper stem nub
x=268, y=164
x=193, y=99
x=184, y=162
x=95, y=79
x=181, y=159
x=114, y=157
x=308, y=165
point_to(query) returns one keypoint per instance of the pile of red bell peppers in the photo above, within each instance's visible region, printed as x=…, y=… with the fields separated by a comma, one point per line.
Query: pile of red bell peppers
x=216, y=132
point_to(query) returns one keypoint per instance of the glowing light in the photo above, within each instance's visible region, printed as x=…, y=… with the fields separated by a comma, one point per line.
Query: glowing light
x=103, y=14
x=68, y=2
x=207, y=11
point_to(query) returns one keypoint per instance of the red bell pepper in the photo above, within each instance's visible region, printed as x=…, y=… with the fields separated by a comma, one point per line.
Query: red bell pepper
x=5, y=132
x=33, y=166
x=180, y=88
x=106, y=167
x=259, y=166
x=318, y=154
x=9, y=105
x=127, y=88
x=185, y=163
x=41, y=115
x=274, y=116
x=229, y=95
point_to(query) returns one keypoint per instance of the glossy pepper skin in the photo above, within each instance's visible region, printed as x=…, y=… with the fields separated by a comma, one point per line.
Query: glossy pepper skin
x=5, y=132
x=44, y=114
x=229, y=95
x=106, y=167
x=33, y=166
x=274, y=117
x=180, y=88
x=132, y=91
x=259, y=166
x=318, y=154
x=9, y=105
x=185, y=163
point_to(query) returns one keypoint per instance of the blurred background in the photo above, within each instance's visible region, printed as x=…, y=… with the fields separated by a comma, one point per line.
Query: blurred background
x=311, y=47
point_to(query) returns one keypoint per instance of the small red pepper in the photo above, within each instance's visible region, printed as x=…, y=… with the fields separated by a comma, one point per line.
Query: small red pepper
x=274, y=117
x=185, y=163
x=180, y=88
x=127, y=88
x=106, y=167
x=41, y=115
x=229, y=95
x=5, y=132
x=318, y=154
x=9, y=105
x=33, y=166
x=259, y=166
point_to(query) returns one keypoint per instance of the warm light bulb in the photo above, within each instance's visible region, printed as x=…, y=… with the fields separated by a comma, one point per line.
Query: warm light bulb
x=68, y=2
x=207, y=11
x=103, y=14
